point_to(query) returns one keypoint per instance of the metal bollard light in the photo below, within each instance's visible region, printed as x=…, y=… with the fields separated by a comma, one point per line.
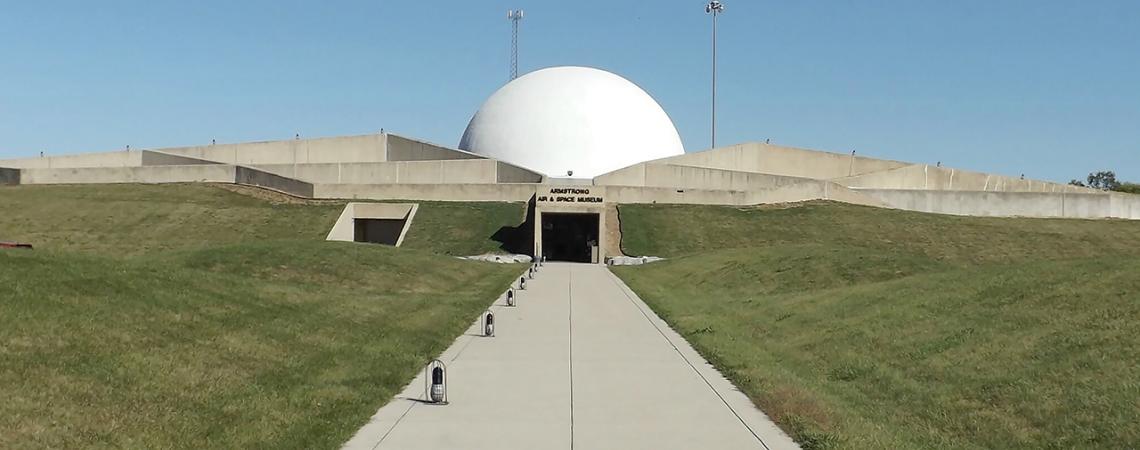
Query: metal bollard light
x=510, y=297
x=489, y=324
x=522, y=283
x=530, y=273
x=435, y=382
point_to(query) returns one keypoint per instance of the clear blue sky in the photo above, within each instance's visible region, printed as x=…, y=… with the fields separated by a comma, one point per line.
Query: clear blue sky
x=1049, y=88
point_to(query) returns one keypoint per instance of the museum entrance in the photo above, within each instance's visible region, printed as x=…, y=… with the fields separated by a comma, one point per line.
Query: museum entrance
x=570, y=237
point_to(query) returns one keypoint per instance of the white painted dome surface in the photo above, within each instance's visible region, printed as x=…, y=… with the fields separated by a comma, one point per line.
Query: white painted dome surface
x=578, y=119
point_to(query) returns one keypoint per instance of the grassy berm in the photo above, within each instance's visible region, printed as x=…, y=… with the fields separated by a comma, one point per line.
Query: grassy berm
x=192, y=316
x=857, y=327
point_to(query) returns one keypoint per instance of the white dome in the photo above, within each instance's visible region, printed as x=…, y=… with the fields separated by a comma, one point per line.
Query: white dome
x=578, y=119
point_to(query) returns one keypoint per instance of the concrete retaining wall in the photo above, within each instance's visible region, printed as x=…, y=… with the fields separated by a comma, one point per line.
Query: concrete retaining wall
x=9, y=176
x=778, y=160
x=365, y=148
x=147, y=174
x=199, y=173
x=470, y=171
x=404, y=149
x=105, y=159
x=134, y=158
x=428, y=192
x=923, y=176
x=668, y=175
x=612, y=194
x=1124, y=205
x=344, y=149
x=641, y=194
x=1010, y=204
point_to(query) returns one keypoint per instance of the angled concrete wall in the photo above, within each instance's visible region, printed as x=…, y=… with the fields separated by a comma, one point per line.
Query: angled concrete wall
x=927, y=177
x=1009, y=204
x=507, y=173
x=787, y=161
x=403, y=149
x=253, y=177
x=157, y=158
x=814, y=190
x=629, y=176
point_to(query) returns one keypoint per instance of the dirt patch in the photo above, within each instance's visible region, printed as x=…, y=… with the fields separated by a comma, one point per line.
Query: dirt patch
x=784, y=205
x=272, y=196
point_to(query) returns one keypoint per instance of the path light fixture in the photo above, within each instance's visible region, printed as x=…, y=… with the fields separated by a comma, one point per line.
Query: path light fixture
x=435, y=382
x=530, y=273
x=522, y=283
x=510, y=297
x=489, y=324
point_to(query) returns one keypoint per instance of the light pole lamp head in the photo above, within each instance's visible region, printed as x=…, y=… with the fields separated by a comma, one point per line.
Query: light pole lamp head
x=714, y=7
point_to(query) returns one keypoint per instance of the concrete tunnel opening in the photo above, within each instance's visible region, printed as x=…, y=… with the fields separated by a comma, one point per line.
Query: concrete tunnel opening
x=378, y=231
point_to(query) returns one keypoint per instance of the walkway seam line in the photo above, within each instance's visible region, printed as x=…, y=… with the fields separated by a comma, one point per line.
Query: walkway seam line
x=623, y=289
x=386, y=433
x=453, y=358
x=570, y=320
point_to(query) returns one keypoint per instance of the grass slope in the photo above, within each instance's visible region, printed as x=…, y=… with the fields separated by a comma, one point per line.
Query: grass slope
x=193, y=317
x=858, y=327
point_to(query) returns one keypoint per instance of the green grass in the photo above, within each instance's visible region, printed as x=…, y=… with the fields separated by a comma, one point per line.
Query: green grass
x=462, y=229
x=858, y=327
x=194, y=317
x=135, y=219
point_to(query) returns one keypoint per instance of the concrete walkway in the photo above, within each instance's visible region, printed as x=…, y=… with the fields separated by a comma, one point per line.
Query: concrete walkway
x=580, y=363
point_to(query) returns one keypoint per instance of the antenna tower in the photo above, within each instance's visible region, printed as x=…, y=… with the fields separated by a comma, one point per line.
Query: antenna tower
x=515, y=16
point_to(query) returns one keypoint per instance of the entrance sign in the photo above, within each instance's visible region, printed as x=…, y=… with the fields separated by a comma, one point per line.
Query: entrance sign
x=569, y=195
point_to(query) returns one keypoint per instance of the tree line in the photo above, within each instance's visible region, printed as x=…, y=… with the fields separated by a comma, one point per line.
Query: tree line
x=1106, y=180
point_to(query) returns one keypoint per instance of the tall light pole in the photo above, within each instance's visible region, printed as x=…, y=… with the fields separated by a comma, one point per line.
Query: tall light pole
x=514, y=16
x=715, y=8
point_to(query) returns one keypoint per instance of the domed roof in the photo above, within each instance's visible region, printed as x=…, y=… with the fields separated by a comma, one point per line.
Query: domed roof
x=578, y=119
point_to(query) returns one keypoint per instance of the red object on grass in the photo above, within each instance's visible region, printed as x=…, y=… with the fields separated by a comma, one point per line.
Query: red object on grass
x=14, y=245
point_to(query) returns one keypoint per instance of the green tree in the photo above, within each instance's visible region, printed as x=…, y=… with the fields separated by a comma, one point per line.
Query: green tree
x=1105, y=179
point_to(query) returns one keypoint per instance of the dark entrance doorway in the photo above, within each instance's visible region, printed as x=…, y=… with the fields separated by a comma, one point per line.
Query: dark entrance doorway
x=378, y=231
x=570, y=236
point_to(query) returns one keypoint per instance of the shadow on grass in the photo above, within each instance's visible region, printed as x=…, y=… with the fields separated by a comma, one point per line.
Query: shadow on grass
x=518, y=239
